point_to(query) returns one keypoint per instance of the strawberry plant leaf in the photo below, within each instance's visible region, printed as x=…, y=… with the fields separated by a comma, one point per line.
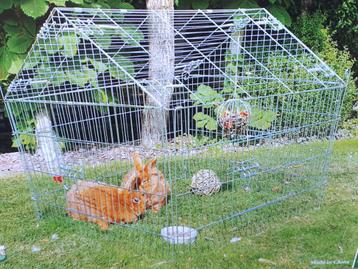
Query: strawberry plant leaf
x=5, y=4
x=69, y=42
x=98, y=65
x=16, y=63
x=261, y=119
x=19, y=43
x=34, y=8
x=125, y=63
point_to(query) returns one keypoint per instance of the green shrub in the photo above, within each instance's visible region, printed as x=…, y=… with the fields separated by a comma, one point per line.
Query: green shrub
x=310, y=29
x=344, y=26
x=341, y=61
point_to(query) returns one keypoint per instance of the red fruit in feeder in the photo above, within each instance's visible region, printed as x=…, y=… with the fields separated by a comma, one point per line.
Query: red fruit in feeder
x=58, y=179
x=244, y=114
x=228, y=124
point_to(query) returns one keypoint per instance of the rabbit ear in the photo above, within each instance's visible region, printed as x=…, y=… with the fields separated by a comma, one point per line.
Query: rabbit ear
x=138, y=165
x=136, y=182
x=152, y=163
x=148, y=168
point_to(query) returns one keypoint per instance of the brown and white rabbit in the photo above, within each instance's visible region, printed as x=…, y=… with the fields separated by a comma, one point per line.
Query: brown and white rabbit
x=103, y=204
x=148, y=180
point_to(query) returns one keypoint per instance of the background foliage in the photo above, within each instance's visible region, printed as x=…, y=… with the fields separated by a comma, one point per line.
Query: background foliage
x=20, y=21
x=311, y=30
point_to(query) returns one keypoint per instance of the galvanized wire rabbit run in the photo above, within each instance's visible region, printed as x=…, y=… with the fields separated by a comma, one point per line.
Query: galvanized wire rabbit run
x=160, y=119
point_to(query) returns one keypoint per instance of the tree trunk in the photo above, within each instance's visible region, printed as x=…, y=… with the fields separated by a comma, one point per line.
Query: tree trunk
x=161, y=69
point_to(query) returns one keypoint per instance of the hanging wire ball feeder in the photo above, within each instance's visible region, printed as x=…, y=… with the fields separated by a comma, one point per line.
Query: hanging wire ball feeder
x=233, y=114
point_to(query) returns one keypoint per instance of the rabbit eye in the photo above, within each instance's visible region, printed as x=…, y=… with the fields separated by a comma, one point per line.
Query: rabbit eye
x=135, y=200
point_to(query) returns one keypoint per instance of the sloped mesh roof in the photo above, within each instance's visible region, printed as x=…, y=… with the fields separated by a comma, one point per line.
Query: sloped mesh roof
x=80, y=54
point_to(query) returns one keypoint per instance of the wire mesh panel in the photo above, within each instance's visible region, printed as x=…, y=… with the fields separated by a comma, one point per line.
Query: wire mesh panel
x=172, y=122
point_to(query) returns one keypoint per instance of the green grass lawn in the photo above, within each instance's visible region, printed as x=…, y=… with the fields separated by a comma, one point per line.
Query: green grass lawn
x=329, y=232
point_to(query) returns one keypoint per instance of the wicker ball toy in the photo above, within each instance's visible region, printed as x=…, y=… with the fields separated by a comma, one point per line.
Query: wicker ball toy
x=205, y=182
x=233, y=113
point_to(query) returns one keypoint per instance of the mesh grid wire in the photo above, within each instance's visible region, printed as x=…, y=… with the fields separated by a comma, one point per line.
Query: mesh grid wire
x=77, y=107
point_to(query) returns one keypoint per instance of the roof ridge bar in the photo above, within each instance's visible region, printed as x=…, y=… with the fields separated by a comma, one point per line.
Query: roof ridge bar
x=237, y=43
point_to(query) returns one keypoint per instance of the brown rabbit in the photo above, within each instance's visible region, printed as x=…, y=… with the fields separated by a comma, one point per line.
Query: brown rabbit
x=148, y=180
x=103, y=204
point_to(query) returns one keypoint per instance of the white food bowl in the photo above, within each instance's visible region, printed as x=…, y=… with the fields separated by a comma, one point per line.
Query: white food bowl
x=179, y=234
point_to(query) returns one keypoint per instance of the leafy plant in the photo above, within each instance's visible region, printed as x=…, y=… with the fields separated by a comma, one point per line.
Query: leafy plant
x=25, y=125
x=98, y=65
x=27, y=140
x=19, y=23
x=343, y=22
x=341, y=61
x=101, y=97
x=308, y=28
x=260, y=119
x=125, y=63
x=82, y=76
x=205, y=121
x=35, y=8
x=206, y=95
x=68, y=44
x=17, y=36
x=78, y=70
